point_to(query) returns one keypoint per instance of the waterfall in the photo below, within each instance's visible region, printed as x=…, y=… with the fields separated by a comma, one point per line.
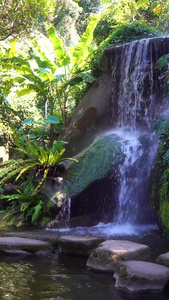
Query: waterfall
x=137, y=109
x=125, y=101
x=133, y=206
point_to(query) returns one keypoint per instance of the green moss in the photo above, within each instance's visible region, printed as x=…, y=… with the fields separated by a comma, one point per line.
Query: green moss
x=164, y=215
x=101, y=158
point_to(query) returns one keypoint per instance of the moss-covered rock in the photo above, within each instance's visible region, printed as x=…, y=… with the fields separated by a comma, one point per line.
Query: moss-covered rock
x=100, y=159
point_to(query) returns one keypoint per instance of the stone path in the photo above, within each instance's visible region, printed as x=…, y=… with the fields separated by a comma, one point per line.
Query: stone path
x=23, y=244
x=136, y=276
x=79, y=245
x=109, y=253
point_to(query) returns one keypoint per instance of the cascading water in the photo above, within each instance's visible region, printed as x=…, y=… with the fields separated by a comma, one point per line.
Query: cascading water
x=139, y=153
x=137, y=101
x=137, y=112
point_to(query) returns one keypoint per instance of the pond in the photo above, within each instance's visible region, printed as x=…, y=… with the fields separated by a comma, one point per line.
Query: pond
x=59, y=277
x=62, y=277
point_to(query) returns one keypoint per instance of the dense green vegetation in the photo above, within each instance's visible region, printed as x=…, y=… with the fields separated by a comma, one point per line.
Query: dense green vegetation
x=50, y=53
x=159, y=195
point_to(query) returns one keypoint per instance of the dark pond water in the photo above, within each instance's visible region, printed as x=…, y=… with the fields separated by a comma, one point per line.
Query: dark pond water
x=59, y=277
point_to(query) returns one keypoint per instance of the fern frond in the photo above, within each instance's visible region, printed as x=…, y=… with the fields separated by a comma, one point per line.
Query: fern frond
x=13, y=166
x=25, y=152
x=11, y=162
x=25, y=169
x=11, y=174
x=37, y=210
x=33, y=149
x=43, y=157
x=10, y=197
x=41, y=182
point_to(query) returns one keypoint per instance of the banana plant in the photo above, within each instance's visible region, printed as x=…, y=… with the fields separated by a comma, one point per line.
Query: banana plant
x=51, y=77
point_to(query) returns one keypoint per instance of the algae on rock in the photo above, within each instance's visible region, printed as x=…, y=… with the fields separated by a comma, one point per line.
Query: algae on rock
x=98, y=160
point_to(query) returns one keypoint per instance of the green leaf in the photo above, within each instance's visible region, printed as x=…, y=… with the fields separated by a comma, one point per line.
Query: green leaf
x=37, y=210
x=166, y=156
x=23, y=92
x=81, y=50
x=28, y=121
x=162, y=62
x=52, y=120
x=162, y=125
x=43, y=158
x=31, y=136
x=61, y=54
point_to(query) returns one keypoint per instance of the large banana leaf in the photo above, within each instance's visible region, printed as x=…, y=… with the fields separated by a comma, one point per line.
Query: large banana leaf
x=23, y=92
x=45, y=74
x=60, y=53
x=81, y=50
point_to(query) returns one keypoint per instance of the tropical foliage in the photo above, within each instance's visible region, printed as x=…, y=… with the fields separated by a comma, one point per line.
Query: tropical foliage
x=150, y=12
x=30, y=171
x=51, y=76
x=21, y=16
x=27, y=208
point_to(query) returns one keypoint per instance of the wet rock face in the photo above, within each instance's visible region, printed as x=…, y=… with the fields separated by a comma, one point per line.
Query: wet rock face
x=92, y=116
x=128, y=93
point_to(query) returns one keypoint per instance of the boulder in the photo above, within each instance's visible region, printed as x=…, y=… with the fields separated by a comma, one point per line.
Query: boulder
x=163, y=259
x=138, y=276
x=94, y=163
x=79, y=245
x=93, y=177
x=29, y=245
x=106, y=257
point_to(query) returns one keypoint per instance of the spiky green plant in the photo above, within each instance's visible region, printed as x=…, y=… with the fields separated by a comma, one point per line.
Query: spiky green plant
x=34, y=157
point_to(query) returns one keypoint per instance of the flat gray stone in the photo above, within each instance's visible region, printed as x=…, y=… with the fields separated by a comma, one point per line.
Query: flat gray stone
x=109, y=253
x=163, y=259
x=17, y=243
x=137, y=276
x=43, y=235
x=79, y=245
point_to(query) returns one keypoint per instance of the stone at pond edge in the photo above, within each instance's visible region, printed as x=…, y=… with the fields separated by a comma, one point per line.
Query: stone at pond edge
x=163, y=259
x=30, y=245
x=137, y=276
x=106, y=257
x=79, y=245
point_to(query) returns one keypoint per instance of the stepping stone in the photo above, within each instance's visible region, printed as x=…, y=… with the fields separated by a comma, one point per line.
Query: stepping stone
x=163, y=259
x=109, y=253
x=79, y=245
x=29, y=245
x=140, y=276
x=42, y=235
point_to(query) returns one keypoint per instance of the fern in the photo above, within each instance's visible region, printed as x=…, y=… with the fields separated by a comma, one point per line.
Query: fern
x=41, y=182
x=162, y=125
x=37, y=210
